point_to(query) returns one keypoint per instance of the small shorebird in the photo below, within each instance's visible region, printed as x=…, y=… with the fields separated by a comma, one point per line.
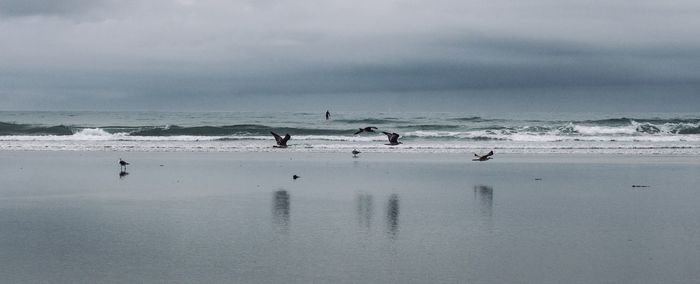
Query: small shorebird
x=281, y=142
x=484, y=157
x=122, y=164
x=355, y=152
x=366, y=129
x=295, y=177
x=393, y=138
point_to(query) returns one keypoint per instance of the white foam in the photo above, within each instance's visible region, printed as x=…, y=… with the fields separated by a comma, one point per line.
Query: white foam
x=94, y=134
x=570, y=139
x=605, y=130
x=423, y=146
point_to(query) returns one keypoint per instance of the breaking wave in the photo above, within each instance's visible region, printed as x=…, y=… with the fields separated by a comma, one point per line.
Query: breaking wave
x=424, y=133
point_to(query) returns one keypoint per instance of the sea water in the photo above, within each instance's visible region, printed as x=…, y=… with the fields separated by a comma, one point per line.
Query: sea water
x=605, y=133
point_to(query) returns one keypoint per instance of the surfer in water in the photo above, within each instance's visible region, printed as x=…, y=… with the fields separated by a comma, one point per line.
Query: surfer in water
x=328, y=115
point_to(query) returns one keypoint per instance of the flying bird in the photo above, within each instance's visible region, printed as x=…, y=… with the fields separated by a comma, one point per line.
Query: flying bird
x=355, y=152
x=484, y=157
x=122, y=164
x=281, y=142
x=393, y=138
x=366, y=129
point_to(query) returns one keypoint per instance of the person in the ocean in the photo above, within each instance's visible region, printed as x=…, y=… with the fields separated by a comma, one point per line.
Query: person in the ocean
x=328, y=115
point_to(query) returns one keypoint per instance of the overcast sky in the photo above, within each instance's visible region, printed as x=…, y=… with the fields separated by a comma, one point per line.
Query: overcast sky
x=438, y=54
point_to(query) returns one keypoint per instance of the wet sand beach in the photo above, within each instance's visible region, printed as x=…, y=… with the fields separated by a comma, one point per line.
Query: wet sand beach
x=70, y=217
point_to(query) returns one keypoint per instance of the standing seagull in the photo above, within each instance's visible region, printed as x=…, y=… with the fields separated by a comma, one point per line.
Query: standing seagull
x=393, y=138
x=366, y=129
x=355, y=152
x=281, y=142
x=122, y=164
x=484, y=157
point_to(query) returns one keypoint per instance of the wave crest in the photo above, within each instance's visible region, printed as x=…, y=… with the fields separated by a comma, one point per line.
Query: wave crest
x=23, y=129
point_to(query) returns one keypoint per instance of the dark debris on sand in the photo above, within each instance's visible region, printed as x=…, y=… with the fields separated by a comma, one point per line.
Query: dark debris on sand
x=638, y=185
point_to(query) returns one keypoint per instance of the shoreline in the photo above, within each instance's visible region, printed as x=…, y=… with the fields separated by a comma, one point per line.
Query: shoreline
x=393, y=156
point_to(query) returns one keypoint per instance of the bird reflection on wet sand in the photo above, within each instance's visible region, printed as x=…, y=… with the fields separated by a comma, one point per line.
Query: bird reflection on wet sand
x=392, y=216
x=280, y=209
x=365, y=209
x=483, y=196
x=123, y=174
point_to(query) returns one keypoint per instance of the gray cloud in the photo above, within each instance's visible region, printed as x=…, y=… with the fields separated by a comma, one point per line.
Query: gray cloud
x=24, y=8
x=82, y=54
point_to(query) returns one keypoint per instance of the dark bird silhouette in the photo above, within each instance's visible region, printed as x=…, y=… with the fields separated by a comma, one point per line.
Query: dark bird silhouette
x=295, y=177
x=122, y=164
x=281, y=142
x=366, y=129
x=484, y=157
x=393, y=138
x=355, y=152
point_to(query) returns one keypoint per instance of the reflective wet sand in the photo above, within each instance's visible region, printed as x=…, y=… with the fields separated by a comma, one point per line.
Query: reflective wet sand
x=74, y=217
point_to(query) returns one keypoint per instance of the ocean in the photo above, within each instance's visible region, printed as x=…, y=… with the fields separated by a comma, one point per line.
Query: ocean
x=528, y=133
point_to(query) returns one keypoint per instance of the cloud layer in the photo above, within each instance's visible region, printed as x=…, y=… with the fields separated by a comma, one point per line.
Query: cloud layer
x=69, y=54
